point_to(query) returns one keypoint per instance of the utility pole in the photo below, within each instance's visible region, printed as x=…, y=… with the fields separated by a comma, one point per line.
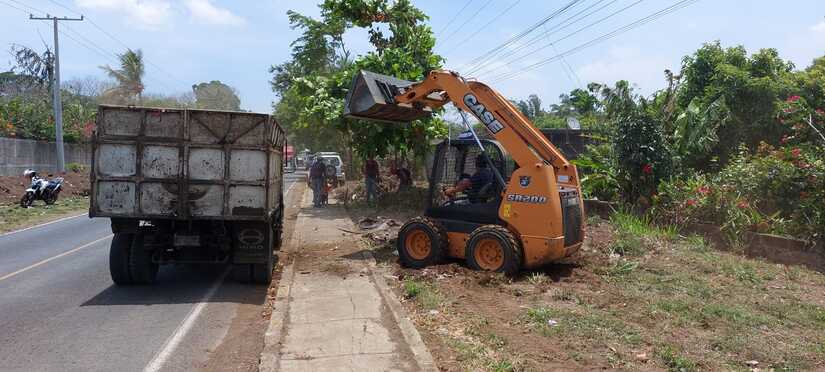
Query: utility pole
x=56, y=102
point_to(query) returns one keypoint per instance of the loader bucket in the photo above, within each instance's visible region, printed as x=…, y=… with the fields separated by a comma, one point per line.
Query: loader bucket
x=372, y=97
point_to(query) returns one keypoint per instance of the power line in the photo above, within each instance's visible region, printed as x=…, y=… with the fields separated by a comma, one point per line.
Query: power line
x=454, y=17
x=549, y=44
x=20, y=3
x=562, y=25
x=14, y=7
x=639, y=22
x=522, y=34
x=470, y=18
x=123, y=44
x=501, y=14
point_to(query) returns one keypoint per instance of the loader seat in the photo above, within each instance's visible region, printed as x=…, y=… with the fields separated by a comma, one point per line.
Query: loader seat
x=481, y=213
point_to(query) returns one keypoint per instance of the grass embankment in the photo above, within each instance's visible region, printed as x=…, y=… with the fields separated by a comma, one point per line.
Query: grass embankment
x=12, y=217
x=636, y=297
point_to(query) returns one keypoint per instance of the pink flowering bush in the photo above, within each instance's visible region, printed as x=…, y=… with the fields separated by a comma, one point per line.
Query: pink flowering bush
x=775, y=190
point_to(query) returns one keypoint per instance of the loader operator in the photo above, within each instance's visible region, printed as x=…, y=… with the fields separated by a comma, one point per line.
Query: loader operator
x=473, y=185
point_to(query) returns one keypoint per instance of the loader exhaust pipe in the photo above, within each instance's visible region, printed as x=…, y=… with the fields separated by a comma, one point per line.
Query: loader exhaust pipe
x=372, y=97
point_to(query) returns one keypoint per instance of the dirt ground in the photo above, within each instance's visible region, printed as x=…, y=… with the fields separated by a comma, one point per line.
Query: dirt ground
x=636, y=297
x=12, y=187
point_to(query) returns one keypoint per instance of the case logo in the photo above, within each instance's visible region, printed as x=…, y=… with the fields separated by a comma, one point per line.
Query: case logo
x=524, y=181
x=532, y=199
x=483, y=114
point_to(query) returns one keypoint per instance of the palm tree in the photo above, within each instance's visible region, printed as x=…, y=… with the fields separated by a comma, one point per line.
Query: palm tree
x=129, y=77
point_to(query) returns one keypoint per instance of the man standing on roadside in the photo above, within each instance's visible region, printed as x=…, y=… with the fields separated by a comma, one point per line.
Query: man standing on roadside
x=316, y=179
x=371, y=178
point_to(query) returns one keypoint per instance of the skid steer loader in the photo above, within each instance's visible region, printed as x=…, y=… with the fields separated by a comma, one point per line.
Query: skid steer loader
x=502, y=205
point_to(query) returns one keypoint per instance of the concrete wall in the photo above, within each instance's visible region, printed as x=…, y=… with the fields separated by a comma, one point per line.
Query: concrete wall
x=18, y=154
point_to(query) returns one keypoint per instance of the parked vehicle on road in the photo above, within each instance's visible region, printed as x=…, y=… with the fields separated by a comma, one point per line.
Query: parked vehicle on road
x=188, y=187
x=40, y=189
x=335, y=167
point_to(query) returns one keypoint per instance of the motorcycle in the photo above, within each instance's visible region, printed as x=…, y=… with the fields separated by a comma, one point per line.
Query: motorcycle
x=41, y=189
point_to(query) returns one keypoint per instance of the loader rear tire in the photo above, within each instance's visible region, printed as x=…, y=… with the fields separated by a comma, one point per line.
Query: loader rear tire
x=119, y=253
x=141, y=267
x=493, y=248
x=421, y=242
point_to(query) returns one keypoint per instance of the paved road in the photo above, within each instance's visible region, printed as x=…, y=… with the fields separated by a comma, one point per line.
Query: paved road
x=60, y=311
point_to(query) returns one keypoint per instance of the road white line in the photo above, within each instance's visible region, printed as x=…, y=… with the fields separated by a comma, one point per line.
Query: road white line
x=43, y=224
x=27, y=268
x=176, y=338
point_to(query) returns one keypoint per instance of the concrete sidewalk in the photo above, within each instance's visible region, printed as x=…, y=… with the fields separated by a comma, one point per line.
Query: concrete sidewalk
x=332, y=313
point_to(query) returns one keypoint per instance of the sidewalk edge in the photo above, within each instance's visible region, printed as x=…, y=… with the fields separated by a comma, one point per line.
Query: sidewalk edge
x=422, y=354
x=270, y=360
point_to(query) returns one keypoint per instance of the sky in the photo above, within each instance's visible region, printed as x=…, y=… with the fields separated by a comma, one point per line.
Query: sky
x=186, y=42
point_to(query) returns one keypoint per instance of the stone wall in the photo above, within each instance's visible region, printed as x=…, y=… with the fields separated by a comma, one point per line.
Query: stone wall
x=16, y=155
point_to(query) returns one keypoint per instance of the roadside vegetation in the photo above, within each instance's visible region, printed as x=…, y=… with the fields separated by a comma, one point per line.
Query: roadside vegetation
x=12, y=217
x=637, y=297
x=26, y=99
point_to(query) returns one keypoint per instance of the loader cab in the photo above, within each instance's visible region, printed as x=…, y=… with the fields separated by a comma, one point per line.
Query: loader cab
x=453, y=160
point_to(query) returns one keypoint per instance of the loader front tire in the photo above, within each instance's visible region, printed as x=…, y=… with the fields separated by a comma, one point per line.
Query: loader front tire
x=421, y=242
x=119, y=253
x=493, y=248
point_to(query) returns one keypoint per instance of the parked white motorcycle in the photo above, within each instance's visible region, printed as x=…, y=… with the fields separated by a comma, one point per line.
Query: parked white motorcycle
x=41, y=189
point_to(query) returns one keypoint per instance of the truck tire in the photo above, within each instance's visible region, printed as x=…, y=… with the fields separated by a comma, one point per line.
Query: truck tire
x=141, y=267
x=119, y=258
x=262, y=272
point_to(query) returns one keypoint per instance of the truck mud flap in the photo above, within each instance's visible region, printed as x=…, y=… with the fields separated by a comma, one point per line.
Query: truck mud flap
x=252, y=243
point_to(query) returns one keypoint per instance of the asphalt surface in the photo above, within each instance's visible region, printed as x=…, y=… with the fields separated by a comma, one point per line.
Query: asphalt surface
x=60, y=311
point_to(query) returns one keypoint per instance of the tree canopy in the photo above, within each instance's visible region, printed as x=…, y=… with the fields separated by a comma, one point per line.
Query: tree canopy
x=314, y=83
x=215, y=95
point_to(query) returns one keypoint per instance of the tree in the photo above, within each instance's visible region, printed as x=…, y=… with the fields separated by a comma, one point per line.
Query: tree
x=129, y=77
x=752, y=87
x=534, y=103
x=316, y=80
x=215, y=95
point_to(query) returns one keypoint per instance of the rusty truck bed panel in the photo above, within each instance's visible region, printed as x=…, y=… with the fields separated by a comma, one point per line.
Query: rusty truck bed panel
x=182, y=164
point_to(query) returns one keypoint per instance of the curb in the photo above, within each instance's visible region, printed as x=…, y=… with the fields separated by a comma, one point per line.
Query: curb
x=422, y=355
x=270, y=360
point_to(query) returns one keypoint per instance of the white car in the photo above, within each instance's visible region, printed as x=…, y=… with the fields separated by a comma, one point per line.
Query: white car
x=334, y=159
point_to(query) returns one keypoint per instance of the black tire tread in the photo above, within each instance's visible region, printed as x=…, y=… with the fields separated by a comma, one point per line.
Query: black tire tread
x=440, y=248
x=119, y=253
x=510, y=267
x=141, y=267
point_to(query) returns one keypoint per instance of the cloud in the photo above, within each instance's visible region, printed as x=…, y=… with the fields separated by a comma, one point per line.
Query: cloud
x=645, y=71
x=203, y=11
x=819, y=27
x=145, y=13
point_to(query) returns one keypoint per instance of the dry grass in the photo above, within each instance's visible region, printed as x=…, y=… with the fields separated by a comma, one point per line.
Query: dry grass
x=12, y=217
x=638, y=297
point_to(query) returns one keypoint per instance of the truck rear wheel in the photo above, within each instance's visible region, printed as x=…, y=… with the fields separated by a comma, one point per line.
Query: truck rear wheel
x=493, y=248
x=141, y=267
x=262, y=273
x=119, y=258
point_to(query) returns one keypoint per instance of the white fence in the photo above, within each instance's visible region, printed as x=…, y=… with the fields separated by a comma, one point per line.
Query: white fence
x=18, y=154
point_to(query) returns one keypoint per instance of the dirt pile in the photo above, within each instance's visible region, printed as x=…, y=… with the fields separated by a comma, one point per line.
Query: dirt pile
x=12, y=187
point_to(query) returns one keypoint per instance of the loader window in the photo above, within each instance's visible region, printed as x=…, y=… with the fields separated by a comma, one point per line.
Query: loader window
x=458, y=159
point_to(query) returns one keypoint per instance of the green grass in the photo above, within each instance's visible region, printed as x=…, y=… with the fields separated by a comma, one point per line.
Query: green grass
x=12, y=217
x=424, y=294
x=673, y=360
x=588, y=323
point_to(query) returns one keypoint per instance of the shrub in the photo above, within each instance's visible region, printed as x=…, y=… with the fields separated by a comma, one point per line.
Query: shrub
x=775, y=190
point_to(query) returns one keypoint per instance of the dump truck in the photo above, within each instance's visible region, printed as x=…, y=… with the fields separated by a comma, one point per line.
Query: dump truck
x=185, y=186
